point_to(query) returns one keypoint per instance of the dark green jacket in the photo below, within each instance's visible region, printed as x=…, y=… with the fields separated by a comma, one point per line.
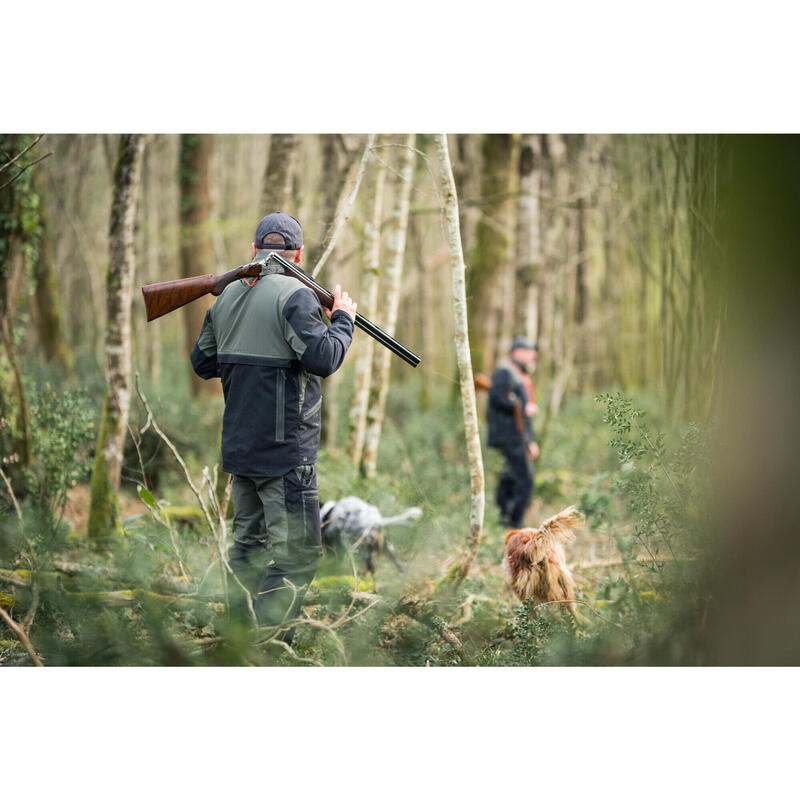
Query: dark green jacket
x=269, y=345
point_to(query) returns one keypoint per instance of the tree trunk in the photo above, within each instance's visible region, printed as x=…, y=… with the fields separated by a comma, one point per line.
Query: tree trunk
x=152, y=271
x=104, y=509
x=17, y=204
x=277, y=194
x=196, y=246
x=491, y=252
x=529, y=240
x=48, y=296
x=557, y=350
x=391, y=299
x=368, y=301
x=448, y=187
x=467, y=170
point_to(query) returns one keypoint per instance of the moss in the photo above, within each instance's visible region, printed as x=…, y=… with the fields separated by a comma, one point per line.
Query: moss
x=340, y=583
x=104, y=511
x=7, y=600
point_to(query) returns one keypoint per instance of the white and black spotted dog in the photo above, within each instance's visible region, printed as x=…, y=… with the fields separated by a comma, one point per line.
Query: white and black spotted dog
x=354, y=524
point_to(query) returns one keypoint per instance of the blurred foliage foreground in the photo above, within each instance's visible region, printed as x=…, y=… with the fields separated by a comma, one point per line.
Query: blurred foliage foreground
x=159, y=593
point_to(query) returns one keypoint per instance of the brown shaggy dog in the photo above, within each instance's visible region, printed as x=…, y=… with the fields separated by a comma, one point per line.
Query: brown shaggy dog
x=535, y=562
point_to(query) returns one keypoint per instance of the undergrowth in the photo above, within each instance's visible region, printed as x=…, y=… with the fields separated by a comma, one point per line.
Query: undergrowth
x=159, y=593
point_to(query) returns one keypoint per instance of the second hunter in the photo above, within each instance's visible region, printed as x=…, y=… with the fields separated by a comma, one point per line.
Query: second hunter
x=266, y=339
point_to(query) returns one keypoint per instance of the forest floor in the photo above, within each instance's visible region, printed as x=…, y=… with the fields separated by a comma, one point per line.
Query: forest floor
x=348, y=621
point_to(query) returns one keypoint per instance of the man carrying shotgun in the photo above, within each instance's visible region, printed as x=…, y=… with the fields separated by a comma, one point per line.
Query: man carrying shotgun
x=510, y=415
x=266, y=339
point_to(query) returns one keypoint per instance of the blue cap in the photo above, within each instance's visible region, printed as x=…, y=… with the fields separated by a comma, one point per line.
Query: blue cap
x=284, y=224
x=524, y=343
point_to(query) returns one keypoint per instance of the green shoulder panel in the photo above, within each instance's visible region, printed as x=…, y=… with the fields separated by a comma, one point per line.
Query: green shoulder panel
x=248, y=321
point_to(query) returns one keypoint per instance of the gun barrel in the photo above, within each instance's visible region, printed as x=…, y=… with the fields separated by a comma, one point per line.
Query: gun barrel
x=326, y=298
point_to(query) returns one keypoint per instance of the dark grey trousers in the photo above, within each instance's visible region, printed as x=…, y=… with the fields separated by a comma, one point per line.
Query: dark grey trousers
x=515, y=485
x=276, y=541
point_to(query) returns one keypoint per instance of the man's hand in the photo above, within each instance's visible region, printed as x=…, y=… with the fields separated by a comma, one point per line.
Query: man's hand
x=531, y=409
x=533, y=450
x=341, y=300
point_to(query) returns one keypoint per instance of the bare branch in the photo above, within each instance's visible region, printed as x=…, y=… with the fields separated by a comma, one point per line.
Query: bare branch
x=345, y=214
x=19, y=632
x=21, y=153
x=26, y=167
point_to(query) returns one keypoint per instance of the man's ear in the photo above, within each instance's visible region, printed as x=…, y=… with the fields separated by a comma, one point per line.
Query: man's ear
x=298, y=255
x=254, y=249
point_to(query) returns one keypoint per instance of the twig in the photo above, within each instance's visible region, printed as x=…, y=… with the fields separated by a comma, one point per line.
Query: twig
x=343, y=217
x=21, y=153
x=19, y=632
x=151, y=420
x=293, y=654
x=623, y=562
x=13, y=496
x=26, y=167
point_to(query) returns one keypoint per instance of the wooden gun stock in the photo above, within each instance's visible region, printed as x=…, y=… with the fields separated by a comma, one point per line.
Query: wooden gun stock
x=161, y=298
x=483, y=382
x=518, y=418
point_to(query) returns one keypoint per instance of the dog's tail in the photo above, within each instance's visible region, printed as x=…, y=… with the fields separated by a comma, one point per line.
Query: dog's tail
x=407, y=516
x=557, y=530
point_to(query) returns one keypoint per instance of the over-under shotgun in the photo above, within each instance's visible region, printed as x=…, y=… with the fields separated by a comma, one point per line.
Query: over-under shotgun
x=161, y=298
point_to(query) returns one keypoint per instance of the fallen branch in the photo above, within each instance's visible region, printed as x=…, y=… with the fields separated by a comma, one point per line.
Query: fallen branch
x=623, y=562
x=19, y=632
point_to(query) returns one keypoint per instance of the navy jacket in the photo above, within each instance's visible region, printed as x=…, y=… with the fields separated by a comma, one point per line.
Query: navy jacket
x=500, y=413
x=269, y=345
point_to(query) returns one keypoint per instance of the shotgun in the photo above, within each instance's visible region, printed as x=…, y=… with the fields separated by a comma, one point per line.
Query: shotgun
x=161, y=298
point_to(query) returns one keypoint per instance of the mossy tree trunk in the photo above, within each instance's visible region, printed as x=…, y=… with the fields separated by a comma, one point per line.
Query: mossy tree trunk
x=19, y=231
x=368, y=302
x=491, y=254
x=277, y=193
x=448, y=188
x=333, y=180
x=196, y=246
x=391, y=300
x=104, y=508
x=152, y=249
x=48, y=296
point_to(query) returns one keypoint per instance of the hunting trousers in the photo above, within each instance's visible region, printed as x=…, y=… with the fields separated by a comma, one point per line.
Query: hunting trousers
x=515, y=486
x=276, y=541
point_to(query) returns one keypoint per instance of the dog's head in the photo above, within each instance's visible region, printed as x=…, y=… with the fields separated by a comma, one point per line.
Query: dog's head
x=325, y=510
x=536, y=543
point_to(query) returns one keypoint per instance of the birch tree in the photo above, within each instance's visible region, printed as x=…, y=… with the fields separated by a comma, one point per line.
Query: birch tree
x=333, y=197
x=476, y=477
x=391, y=299
x=528, y=240
x=368, y=300
x=104, y=508
x=277, y=192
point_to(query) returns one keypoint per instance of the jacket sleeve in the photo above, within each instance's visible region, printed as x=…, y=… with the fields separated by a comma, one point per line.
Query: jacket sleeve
x=320, y=348
x=204, y=352
x=498, y=392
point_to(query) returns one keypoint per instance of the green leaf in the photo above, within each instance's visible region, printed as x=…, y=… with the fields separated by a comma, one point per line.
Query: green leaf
x=147, y=497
